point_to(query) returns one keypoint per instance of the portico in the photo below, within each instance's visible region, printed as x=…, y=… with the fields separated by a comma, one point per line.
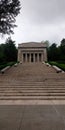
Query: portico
x=32, y=57
x=32, y=52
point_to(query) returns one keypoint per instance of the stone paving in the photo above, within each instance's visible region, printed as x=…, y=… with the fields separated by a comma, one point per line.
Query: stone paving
x=32, y=97
x=32, y=82
x=32, y=117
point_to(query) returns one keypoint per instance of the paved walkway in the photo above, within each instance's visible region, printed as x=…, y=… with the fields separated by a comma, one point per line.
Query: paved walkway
x=36, y=117
x=32, y=113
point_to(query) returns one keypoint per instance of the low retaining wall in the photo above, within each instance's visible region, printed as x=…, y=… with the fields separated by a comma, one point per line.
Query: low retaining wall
x=4, y=69
x=58, y=70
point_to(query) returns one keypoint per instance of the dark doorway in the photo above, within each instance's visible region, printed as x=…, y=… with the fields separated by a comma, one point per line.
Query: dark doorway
x=31, y=57
x=40, y=57
x=23, y=57
x=35, y=57
x=28, y=57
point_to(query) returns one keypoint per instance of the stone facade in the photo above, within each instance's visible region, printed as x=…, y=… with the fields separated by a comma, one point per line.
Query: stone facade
x=32, y=52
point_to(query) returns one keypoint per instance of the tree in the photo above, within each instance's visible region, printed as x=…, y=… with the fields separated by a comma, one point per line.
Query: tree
x=9, y=9
x=2, y=56
x=63, y=42
x=47, y=43
x=62, y=48
x=10, y=50
x=53, y=52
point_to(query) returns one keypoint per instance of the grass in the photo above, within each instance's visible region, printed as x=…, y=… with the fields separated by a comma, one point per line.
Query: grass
x=6, y=64
x=60, y=65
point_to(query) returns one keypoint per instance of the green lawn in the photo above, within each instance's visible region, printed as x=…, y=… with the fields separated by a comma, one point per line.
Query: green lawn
x=60, y=65
x=6, y=64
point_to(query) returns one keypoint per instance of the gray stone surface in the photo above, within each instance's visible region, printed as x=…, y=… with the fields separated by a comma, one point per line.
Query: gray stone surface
x=32, y=81
x=32, y=117
x=32, y=113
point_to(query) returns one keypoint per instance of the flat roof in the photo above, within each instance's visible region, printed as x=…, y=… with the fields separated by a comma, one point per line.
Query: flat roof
x=32, y=44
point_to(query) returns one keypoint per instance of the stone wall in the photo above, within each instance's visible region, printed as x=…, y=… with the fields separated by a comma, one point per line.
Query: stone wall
x=32, y=54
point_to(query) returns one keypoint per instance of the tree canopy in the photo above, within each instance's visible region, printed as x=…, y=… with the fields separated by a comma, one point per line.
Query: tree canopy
x=9, y=9
x=63, y=42
x=8, y=51
x=57, y=53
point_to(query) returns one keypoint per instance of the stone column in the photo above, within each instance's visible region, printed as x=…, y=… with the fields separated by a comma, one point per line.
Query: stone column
x=25, y=57
x=33, y=57
x=37, y=57
x=42, y=55
x=30, y=58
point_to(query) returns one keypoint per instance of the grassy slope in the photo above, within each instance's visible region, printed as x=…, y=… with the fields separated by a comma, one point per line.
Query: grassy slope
x=60, y=65
x=6, y=64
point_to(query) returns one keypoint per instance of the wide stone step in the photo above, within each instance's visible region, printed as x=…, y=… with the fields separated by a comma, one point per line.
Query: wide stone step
x=32, y=98
x=31, y=91
x=32, y=94
x=33, y=86
x=32, y=82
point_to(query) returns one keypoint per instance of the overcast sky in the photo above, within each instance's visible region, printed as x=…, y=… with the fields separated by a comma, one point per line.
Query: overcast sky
x=40, y=20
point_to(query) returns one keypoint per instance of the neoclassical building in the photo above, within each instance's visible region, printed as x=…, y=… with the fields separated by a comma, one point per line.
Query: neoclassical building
x=32, y=52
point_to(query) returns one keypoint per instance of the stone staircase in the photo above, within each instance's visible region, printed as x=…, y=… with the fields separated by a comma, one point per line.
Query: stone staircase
x=32, y=81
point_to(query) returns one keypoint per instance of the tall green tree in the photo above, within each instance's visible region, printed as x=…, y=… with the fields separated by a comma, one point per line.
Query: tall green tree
x=63, y=42
x=2, y=56
x=57, y=53
x=9, y=9
x=62, y=49
x=53, y=52
x=10, y=50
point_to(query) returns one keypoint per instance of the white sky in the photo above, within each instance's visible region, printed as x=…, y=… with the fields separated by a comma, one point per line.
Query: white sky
x=40, y=20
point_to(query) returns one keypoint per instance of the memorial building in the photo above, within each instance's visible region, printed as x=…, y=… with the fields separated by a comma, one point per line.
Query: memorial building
x=32, y=52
